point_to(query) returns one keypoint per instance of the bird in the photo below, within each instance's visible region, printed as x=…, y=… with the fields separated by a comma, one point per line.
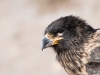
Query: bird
x=73, y=40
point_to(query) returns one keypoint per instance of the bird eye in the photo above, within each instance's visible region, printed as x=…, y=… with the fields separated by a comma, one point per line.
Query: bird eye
x=61, y=30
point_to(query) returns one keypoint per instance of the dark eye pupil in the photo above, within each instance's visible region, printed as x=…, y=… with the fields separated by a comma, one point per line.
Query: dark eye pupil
x=61, y=30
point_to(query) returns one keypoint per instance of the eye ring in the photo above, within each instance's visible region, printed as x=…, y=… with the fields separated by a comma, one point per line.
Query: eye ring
x=61, y=30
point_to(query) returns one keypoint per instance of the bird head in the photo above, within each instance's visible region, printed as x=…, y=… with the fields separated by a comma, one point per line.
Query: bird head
x=66, y=30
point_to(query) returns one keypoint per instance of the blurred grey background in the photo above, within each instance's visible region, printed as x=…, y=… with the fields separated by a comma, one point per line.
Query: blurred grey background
x=22, y=24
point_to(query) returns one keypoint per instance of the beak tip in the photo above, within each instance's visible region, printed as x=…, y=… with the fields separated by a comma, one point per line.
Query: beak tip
x=42, y=49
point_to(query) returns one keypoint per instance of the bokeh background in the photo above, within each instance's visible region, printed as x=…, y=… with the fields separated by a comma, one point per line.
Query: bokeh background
x=22, y=24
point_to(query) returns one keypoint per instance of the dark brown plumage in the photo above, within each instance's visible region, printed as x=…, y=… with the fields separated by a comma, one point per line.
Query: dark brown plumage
x=73, y=41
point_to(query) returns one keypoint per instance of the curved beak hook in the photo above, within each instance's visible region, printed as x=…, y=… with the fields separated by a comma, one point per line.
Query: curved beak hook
x=45, y=43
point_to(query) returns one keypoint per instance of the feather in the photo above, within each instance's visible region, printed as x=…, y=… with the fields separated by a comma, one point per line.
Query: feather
x=80, y=41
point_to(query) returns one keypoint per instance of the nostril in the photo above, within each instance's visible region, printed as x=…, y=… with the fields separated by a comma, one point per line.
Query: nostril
x=48, y=36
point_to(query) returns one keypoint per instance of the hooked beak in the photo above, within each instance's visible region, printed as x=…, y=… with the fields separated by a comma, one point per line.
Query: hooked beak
x=48, y=41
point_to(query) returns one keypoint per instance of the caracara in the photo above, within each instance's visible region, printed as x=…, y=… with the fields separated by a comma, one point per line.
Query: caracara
x=73, y=41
